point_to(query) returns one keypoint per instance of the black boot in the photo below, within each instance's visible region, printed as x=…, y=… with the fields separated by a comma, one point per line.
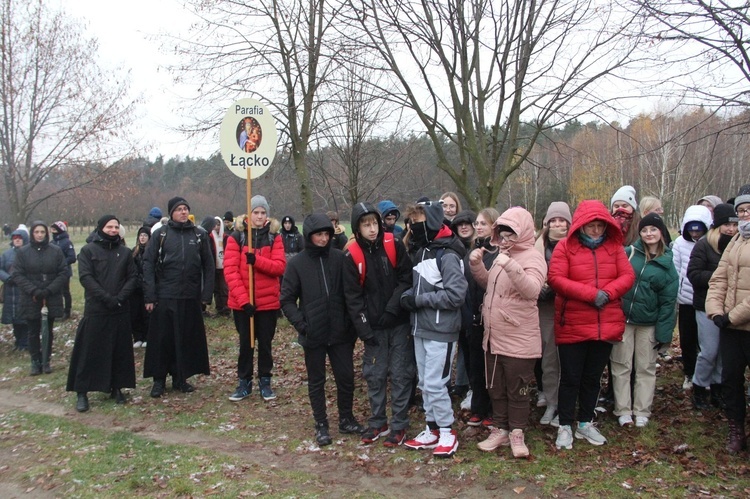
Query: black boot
x=158, y=389
x=737, y=441
x=118, y=396
x=82, y=405
x=322, y=436
x=700, y=398
x=717, y=399
x=36, y=366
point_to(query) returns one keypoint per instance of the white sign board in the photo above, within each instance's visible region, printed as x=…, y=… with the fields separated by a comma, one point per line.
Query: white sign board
x=248, y=138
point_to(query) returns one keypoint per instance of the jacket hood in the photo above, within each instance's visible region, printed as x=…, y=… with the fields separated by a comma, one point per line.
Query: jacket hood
x=590, y=210
x=521, y=222
x=696, y=213
x=20, y=232
x=359, y=210
x=315, y=223
x=387, y=206
x=208, y=223
x=34, y=225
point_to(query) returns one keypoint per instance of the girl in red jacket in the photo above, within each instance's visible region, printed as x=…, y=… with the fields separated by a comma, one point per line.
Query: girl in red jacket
x=268, y=262
x=590, y=273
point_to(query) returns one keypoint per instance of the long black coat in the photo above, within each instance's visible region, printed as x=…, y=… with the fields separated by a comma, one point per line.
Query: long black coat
x=40, y=266
x=102, y=356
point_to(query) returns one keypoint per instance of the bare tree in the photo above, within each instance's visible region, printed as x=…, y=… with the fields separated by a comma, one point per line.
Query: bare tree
x=474, y=71
x=63, y=117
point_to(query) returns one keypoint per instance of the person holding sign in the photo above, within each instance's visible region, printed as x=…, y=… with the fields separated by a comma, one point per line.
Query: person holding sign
x=266, y=256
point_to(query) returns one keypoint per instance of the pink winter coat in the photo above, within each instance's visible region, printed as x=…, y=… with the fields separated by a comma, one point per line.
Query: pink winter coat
x=509, y=310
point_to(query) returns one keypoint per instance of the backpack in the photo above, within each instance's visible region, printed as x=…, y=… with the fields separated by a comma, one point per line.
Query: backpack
x=163, y=236
x=389, y=244
x=240, y=238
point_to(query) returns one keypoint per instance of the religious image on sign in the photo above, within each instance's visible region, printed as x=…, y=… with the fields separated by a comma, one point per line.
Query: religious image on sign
x=249, y=134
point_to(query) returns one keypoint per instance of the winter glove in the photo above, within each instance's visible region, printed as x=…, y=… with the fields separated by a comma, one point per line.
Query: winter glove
x=37, y=294
x=250, y=258
x=372, y=342
x=387, y=320
x=302, y=330
x=601, y=299
x=249, y=308
x=546, y=293
x=409, y=302
x=722, y=321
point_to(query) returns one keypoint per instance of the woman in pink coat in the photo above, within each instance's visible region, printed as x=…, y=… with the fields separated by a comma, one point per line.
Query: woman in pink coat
x=512, y=340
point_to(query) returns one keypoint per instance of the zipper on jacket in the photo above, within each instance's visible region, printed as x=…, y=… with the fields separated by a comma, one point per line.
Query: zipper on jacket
x=598, y=310
x=325, y=281
x=635, y=290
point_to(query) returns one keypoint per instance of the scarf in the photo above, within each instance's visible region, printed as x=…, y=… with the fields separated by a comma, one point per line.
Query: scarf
x=744, y=227
x=624, y=218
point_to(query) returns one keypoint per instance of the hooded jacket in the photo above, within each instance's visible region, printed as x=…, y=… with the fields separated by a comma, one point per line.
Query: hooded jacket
x=651, y=299
x=683, y=246
x=704, y=259
x=387, y=207
x=269, y=266
x=729, y=287
x=62, y=241
x=383, y=285
x=439, y=289
x=577, y=273
x=11, y=292
x=40, y=266
x=312, y=291
x=509, y=310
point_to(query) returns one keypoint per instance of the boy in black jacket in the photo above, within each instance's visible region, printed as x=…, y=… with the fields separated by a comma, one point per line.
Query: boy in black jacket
x=312, y=298
x=377, y=271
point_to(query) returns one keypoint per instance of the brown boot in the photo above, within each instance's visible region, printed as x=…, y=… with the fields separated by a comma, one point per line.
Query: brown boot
x=737, y=440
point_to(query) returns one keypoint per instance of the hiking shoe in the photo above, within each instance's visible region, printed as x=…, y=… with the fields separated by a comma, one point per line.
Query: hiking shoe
x=350, y=425
x=396, y=438
x=641, y=421
x=322, y=437
x=474, y=420
x=265, y=389
x=244, y=388
x=517, y=445
x=549, y=414
x=182, y=386
x=447, y=444
x=466, y=403
x=564, y=437
x=428, y=439
x=36, y=369
x=541, y=401
x=498, y=437
x=372, y=434
x=82, y=404
x=589, y=431
x=625, y=420
x=158, y=389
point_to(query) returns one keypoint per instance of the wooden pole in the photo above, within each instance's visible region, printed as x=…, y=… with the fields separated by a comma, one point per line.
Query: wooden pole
x=250, y=248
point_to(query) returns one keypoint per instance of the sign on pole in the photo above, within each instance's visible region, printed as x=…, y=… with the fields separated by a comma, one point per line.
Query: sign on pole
x=248, y=138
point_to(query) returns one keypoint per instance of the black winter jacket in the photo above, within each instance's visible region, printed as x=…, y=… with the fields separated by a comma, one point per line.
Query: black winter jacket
x=62, y=241
x=704, y=259
x=312, y=292
x=185, y=269
x=40, y=266
x=383, y=284
x=108, y=275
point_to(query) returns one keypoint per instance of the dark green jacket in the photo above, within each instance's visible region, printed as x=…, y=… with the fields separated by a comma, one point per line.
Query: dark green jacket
x=651, y=300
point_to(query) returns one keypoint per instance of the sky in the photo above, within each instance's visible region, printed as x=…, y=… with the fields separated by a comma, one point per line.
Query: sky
x=128, y=38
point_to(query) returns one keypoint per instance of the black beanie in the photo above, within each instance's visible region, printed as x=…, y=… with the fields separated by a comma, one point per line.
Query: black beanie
x=104, y=220
x=175, y=202
x=724, y=213
x=229, y=216
x=655, y=220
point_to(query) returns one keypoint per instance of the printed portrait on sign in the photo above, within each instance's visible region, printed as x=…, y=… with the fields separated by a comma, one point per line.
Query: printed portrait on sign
x=249, y=134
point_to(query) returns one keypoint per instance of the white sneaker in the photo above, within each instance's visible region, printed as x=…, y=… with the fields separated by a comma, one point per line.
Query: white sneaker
x=143, y=345
x=564, y=437
x=541, y=401
x=448, y=443
x=590, y=433
x=549, y=415
x=641, y=421
x=517, y=445
x=687, y=384
x=555, y=422
x=137, y=344
x=466, y=403
x=428, y=439
x=625, y=420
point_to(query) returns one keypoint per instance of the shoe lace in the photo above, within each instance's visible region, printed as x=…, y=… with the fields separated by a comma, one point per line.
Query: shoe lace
x=516, y=438
x=446, y=439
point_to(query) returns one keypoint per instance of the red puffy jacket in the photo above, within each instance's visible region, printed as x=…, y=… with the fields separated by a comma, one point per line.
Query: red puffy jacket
x=577, y=272
x=270, y=264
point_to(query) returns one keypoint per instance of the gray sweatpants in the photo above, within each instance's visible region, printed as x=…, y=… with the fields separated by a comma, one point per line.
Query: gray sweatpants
x=434, y=361
x=708, y=365
x=394, y=358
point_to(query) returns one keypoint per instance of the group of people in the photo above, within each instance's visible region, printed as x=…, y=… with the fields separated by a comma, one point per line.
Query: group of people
x=599, y=288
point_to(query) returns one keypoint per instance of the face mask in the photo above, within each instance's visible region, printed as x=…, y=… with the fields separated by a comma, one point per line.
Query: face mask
x=744, y=227
x=419, y=233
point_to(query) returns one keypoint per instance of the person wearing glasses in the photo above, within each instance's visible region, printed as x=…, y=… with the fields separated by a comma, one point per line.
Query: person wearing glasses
x=590, y=274
x=728, y=306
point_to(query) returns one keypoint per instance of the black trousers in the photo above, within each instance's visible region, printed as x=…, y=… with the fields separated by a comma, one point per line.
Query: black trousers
x=341, y=357
x=480, y=399
x=265, y=330
x=67, y=299
x=734, y=349
x=688, y=327
x=581, y=368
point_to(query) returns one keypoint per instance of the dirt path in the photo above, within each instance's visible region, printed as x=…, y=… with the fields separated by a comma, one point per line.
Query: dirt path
x=350, y=478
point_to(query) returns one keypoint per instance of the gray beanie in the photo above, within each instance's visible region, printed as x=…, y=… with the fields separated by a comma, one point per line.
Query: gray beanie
x=744, y=198
x=625, y=193
x=714, y=200
x=259, y=201
x=558, y=209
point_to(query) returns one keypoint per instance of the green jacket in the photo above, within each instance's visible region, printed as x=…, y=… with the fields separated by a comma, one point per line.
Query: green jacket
x=651, y=300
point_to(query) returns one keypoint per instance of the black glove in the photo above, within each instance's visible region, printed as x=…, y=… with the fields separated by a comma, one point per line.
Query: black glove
x=112, y=303
x=722, y=321
x=249, y=309
x=250, y=258
x=409, y=302
x=601, y=299
x=302, y=330
x=387, y=320
x=372, y=342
